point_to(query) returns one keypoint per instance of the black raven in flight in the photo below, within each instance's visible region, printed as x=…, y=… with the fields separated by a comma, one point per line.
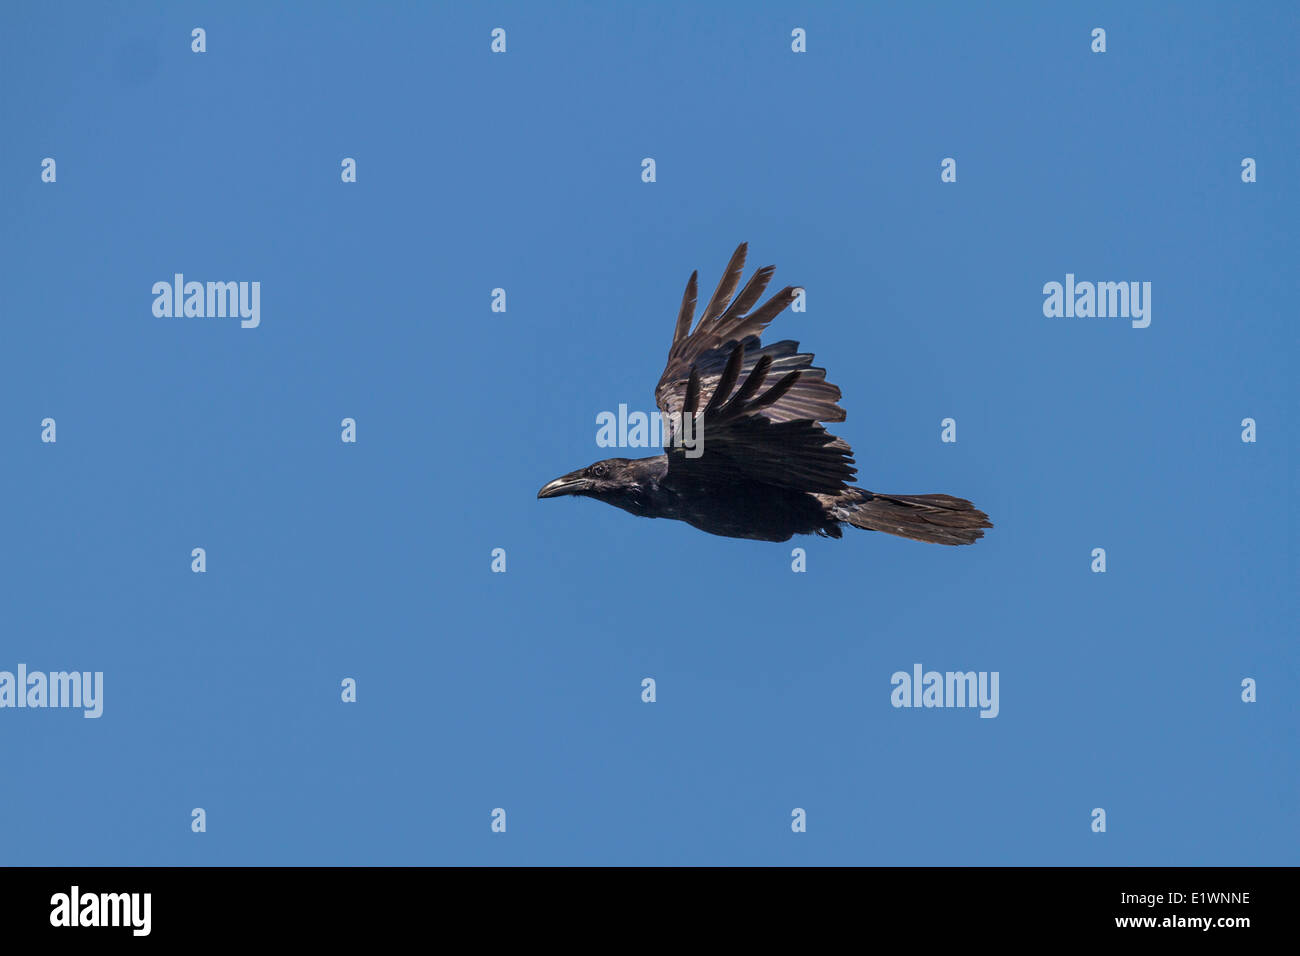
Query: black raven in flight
x=763, y=467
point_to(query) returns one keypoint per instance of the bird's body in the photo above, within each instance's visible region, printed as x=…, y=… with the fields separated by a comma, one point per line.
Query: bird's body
x=763, y=467
x=647, y=488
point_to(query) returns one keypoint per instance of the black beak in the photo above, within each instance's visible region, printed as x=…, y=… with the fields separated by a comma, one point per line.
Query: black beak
x=571, y=484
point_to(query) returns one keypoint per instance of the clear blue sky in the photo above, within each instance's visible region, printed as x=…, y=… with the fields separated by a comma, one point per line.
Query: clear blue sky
x=522, y=690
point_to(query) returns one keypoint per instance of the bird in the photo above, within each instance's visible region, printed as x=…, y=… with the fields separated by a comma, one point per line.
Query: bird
x=745, y=452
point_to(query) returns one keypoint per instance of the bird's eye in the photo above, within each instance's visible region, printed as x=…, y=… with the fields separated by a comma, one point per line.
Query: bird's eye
x=598, y=470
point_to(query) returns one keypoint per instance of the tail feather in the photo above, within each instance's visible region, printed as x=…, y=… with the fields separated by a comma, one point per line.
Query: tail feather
x=938, y=519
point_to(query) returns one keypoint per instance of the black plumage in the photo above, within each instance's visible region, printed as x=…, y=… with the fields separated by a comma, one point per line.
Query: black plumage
x=768, y=469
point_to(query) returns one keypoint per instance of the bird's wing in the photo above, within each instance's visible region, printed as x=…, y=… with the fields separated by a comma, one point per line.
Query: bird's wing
x=751, y=432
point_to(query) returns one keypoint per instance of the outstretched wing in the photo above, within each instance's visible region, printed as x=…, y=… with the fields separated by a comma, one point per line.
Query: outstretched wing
x=766, y=430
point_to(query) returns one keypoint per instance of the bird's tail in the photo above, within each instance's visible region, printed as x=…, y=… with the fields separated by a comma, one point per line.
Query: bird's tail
x=939, y=519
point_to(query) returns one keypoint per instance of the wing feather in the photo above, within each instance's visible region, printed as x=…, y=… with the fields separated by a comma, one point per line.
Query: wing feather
x=726, y=285
x=771, y=437
x=686, y=314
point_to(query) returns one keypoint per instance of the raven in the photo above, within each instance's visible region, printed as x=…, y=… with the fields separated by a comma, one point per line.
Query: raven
x=765, y=469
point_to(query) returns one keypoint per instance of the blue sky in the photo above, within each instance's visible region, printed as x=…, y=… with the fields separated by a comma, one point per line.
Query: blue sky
x=522, y=690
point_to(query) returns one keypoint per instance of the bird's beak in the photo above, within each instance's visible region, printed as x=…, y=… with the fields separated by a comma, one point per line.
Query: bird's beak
x=571, y=484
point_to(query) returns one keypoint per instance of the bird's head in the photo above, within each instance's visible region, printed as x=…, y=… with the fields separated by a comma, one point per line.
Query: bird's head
x=606, y=479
